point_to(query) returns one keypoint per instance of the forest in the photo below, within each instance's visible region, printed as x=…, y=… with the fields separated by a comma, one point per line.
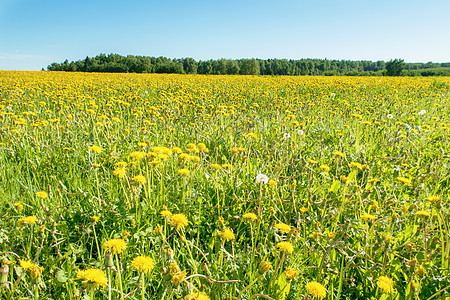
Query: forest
x=115, y=63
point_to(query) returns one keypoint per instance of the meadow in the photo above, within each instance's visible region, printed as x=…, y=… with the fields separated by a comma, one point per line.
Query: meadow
x=158, y=186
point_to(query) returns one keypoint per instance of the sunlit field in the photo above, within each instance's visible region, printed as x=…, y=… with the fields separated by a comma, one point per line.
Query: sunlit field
x=126, y=186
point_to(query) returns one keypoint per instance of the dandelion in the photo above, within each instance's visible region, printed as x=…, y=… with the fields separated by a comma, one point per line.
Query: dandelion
x=119, y=172
x=179, y=220
x=143, y=264
x=92, y=278
x=139, y=179
x=197, y=296
x=178, y=277
x=41, y=195
x=227, y=234
x=250, y=216
x=95, y=149
x=422, y=112
x=264, y=267
x=390, y=116
x=26, y=264
x=95, y=219
x=368, y=217
x=27, y=220
x=316, y=290
x=386, y=284
x=116, y=246
x=285, y=247
x=304, y=210
x=138, y=155
x=286, y=135
x=404, y=180
x=216, y=166
x=272, y=183
x=183, y=172
x=283, y=227
x=165, y=213
x=18, y=206
x=423, y=213
x=338, y=154
x=291, y=273
x=436, y=200
x=261, y=178
x=325, y=168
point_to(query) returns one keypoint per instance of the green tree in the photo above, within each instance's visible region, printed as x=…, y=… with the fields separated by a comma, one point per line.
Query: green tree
x=395, y=67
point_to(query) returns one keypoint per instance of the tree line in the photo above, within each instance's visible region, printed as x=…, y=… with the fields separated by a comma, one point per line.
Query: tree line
x=115, y=63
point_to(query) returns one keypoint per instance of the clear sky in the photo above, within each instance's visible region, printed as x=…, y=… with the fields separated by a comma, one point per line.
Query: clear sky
x=35, y=33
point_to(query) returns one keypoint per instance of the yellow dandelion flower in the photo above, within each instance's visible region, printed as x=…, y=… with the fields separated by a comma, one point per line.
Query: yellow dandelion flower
x=423, y=213
x=179, y=220
x=316, y=290
x=272, y=183
x=283, y=227
x=138, y=155
x=178, y=277
x=165, y=213
x=143, y=264
x=92, y=277
x=338, y=153
x=285, y=247
x=264, y=266
x=250, y=216
x=324, y=168
x=27, y=220
x=291, y=273
x=139, y=179
x=18, y=206
x=36, y=272
x=95, y=219
x=116, y=246
x=368, y=217
x=96, y=149
x=197, y=296
x=304, y=210
x=119, y=172
x=355, y=165
x=216, y=167
x=183, y=172
x=26, y=264
x=227, y=234
x=41, y=195
x=386, y=284
x=434, y=199
x=404, y=180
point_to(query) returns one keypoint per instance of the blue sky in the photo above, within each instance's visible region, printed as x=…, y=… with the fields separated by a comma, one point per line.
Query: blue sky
x=35, y=33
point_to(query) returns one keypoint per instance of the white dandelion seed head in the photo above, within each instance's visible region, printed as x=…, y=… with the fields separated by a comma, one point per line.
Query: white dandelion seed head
x=422, y=112
x=390, y=116
x=262, y=178
x=286, y=135
x=301, y=132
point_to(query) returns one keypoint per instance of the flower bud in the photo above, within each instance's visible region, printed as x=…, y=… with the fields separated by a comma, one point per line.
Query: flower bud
x=4, y=274
x=264, y=266
x=108, y=259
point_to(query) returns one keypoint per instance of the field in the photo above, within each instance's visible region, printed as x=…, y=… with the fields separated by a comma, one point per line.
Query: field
x=127, y=186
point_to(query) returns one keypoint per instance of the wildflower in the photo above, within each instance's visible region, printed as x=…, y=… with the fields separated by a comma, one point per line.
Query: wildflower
x=227, y=167
x=291, y=273
x=36, y=272
x=404, y=180
x=324, y=168
x=18, y=206
x=95, y=165
x=143, y=264
x=368, y=217
x=96, y=149
x=285, y=247
x=165, y=213
x=338, y=153
x=95, y=219
x=420, y=270
x=250, y=216
x=178, y=277
x=27, y=220
x=179, y=220
x=331, y=235
x=139, y=179
x=26, y=264
x=316, y=290
x=423, y=213
x=216, y=166
x=433, y=199
x=283, y=227
x=138, y=155
x=386, y=284
x=92, y=277
x=422, y=112
x=344, y=178
x=41, y=195
x=120, y=164
x=264, y=266
x=261, y=178
x=119, y=172
x=197, y=296
x=183, y=172
x=355, y=165
x=286, y=135
x=389, y=116
x=116, y=246
x=227, y=234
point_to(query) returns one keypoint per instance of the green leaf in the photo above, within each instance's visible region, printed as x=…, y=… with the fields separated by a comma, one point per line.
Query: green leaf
x=335, y=186
x=60, y=276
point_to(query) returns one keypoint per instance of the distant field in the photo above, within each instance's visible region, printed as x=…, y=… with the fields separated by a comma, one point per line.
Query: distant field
x=223, y=187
